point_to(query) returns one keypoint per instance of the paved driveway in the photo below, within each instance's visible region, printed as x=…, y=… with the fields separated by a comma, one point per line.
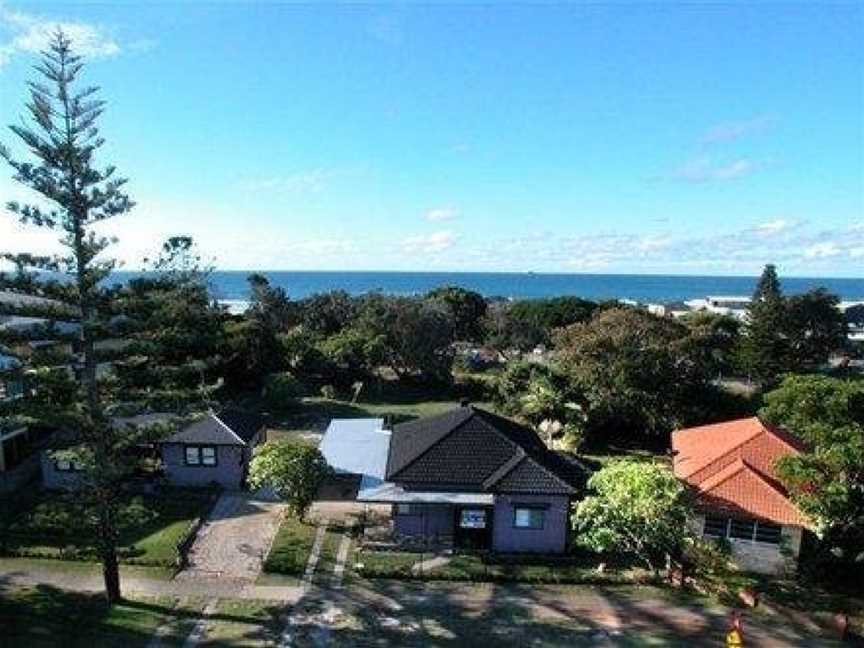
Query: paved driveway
x=235, y=539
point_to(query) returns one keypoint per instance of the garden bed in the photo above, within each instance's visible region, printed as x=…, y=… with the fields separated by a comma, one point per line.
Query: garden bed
x=152, y=528
x=473, y=567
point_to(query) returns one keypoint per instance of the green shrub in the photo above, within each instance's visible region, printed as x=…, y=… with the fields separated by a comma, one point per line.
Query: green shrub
x=282, y=390
x=328, y=392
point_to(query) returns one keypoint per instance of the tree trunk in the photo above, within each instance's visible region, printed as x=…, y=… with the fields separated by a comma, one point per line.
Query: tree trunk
x=108, y=550
x=111, y=576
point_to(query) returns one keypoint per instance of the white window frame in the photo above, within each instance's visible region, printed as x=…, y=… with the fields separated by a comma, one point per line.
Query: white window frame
x=531, y=512
x=727, y=533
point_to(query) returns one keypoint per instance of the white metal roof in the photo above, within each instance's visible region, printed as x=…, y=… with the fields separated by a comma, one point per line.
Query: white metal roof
x=360, y=447
x=357, y=446
x=388, y=492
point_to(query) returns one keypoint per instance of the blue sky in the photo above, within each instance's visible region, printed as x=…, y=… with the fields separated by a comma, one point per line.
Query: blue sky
x=627, y=137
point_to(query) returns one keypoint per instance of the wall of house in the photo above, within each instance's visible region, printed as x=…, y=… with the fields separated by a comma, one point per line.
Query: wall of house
x=21, y=475
x=552, y=538
x=228, y=471
x=760, y=557
x=57, y=479
x=424, y=520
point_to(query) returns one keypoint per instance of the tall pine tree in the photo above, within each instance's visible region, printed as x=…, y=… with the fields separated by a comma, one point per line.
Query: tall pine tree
x=75, y=195
x=764, y=350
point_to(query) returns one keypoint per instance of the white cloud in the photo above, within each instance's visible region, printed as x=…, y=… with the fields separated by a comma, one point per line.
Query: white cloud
x=32, y=34
x=822, y=250
x=774, y=227
x=704, y=169
x=440, y=214
x=434, y=243
x=733, y=130
x=300, y=182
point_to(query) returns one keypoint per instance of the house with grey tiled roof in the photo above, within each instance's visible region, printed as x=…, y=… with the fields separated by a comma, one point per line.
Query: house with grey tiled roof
x=466, y=476
x=213, y=450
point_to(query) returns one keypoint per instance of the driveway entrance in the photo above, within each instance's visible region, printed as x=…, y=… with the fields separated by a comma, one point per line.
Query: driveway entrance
x=235, y=538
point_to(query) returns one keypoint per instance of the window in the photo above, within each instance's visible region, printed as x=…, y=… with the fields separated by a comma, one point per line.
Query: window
x=525, y=517
x=406, y=509
x=208, y=456
x=64, y=465
x=721, y=527
x=193, y=457
x=200, y=455
x=715, y=527
x=742, y=529
x=769, y=533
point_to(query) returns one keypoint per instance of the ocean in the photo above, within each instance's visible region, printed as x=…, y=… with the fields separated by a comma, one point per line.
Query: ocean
x=231, y=285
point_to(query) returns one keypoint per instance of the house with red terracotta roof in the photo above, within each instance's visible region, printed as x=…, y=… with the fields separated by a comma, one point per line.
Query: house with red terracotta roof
x=730, y=467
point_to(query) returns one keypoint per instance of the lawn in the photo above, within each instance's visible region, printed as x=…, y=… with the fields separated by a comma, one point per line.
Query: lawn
x=291, y=547
x=244, y=623
x=395, y=401
x=314, y=414
x=45, y=616
x=54, y=525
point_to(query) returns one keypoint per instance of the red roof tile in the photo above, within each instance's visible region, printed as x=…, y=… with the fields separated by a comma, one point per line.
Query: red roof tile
x=731, y=466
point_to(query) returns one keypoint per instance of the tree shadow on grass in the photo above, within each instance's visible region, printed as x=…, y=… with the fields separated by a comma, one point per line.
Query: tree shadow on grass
x=48, y=616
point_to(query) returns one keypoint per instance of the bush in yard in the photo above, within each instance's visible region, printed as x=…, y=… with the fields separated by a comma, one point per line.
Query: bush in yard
x=328, y=392
x=293, y=469
x=282, y=390
x=635, y=508
x=708, y=561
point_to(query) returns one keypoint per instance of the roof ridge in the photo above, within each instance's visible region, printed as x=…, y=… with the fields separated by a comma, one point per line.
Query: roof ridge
x=741, y=465
x=505, y=468
x=730, y=449
x=426, y=450
x=724, y=474
x=706, y=426
x=520, y=450
x=223, y=424
x=549, y=471
x=783, y=436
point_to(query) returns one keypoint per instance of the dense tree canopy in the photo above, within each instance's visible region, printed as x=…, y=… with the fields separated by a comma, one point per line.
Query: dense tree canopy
x=253, y=344
x=641, y=375
x=415, y=335
x=546, y=399
x=827, y=480
x=815, y=328
x=328, y=313
x=171, y=333
x=552, y=313
x=467, y=308
x=636, y=508
x=507, y=333
x=717, y=336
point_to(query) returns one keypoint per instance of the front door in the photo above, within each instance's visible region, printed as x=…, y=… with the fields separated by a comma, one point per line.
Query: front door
x=473, y=527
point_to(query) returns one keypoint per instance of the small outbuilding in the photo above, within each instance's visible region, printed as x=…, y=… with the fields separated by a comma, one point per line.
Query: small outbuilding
x=214, y=450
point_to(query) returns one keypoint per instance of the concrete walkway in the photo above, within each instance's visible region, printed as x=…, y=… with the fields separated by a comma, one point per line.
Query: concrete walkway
x=341, y=558
x=91, y=581
x=314, y=555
